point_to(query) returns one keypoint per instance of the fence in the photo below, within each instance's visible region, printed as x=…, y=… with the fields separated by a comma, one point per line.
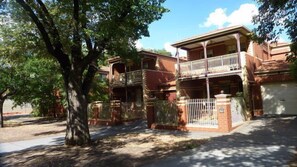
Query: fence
x=237, y=110
x=131, y=110
x=166, y=112
x=202, y=113
x=99, y=110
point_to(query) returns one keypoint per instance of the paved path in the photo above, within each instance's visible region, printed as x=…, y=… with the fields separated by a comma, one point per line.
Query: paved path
x=263, y=142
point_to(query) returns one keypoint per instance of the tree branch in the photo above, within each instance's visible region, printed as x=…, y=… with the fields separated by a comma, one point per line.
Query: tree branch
x=39, y=25
x=94, y=53
x=84, y=26
x=76, y=47
x=56, y=49
x=87, y=82
x=52, y=27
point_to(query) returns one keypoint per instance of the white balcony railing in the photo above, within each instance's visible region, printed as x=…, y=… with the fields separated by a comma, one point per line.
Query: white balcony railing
x=132, y=78
x=216, y=64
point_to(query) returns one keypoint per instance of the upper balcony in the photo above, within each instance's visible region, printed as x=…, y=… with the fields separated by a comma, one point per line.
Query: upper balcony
x=218, y=64
x=133, y=78
x=219, y=52
x=133, y=71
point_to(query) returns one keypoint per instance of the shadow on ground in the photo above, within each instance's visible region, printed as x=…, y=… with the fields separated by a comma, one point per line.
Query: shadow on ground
x=19, y=120
x=267, y=141
x=262, y=142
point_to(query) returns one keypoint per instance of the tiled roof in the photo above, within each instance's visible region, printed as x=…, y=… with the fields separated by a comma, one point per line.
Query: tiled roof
x=273, y=66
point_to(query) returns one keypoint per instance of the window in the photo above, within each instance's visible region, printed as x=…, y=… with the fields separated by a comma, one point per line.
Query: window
x=242, y=47
x=231, y=49
x=145, y=65
x=209, y=53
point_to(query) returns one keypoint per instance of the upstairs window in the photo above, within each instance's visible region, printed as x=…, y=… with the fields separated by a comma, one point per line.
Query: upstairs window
x=209, y=53
x=145, y=65
x=231, y=49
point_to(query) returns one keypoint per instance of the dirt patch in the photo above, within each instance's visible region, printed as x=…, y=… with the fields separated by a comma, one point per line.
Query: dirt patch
x=135, y=149
x=25, y=127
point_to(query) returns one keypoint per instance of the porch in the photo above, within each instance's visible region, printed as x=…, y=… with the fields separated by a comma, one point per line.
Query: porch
x=197, y=88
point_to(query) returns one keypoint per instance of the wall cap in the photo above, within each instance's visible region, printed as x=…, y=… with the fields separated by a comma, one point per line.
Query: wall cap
x=219, y=96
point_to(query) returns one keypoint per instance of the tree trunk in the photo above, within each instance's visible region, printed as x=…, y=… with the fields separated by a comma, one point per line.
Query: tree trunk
x=77, y=132
x=1, y=113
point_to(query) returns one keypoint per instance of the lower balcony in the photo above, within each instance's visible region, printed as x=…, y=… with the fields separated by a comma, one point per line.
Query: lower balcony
x=133, y=78
x=218, y=64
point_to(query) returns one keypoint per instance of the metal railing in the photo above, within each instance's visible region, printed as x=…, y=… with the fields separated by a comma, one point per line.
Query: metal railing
x=216, y=64
x=131, y=110
x=202, y=113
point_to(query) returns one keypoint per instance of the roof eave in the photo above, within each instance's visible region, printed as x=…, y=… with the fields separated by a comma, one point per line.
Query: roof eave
x=208, y=36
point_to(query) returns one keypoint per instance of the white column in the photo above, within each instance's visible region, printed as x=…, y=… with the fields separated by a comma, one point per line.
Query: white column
x=204, y=44
x=237, y=37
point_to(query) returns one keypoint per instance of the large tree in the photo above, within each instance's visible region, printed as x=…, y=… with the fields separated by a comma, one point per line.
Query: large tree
x=274, y=18
x=77, y=33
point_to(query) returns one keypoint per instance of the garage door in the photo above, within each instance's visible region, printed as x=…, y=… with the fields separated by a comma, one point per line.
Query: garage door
x=279, y=98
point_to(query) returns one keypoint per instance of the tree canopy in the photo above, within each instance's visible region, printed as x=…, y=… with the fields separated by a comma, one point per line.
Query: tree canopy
x=77, y=34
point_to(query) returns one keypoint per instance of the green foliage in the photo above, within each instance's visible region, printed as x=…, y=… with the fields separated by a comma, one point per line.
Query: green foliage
x=77, y=34
x=39, y=84
x=274, y=18
x=166, y=113
x=160, y=51
x=99, y=89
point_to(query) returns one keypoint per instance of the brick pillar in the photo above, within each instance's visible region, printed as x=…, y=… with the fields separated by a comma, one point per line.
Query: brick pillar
x=182, y=115
x=115, y=107
x=150, y=113
x=224, y=112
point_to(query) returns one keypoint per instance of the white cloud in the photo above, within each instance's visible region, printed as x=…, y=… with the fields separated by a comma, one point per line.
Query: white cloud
x=169, y=48
x=216, y=18
x=243, y=15
x=138, y=45
x=172, y=50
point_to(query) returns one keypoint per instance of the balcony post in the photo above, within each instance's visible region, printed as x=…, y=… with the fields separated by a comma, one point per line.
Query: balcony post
x=237, y=37
x=204, y=44
x=178, y=65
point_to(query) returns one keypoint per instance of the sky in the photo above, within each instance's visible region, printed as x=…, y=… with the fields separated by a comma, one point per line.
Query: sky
x=188, y=18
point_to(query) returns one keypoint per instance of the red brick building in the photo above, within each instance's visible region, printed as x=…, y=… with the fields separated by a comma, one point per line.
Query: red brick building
x=135, y=82
x=226, y=59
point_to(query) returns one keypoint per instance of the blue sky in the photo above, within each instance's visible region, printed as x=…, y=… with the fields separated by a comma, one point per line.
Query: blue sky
x=193, y=17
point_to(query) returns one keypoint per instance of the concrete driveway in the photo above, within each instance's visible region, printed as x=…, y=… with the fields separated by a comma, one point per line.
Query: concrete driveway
x=266, y=141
